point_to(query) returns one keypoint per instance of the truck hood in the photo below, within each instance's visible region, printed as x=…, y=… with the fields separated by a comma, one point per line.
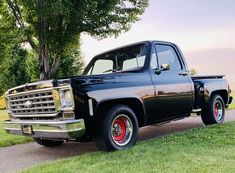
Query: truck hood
x=90, y=80
x=90, y=83
x=78, y=82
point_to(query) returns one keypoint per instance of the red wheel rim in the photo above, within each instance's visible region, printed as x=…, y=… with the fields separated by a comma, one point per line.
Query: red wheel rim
x=218, y=110
x=121, y=130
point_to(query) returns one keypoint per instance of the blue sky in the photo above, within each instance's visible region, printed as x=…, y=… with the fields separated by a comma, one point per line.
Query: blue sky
x=204, y=28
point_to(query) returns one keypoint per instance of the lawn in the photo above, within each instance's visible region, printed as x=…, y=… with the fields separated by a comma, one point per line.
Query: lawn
x=7, y=139
x=208, y=149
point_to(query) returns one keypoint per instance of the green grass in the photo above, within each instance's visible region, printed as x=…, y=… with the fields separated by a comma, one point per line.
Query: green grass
x=209, y=149
x=7, y=139
x=232, y=105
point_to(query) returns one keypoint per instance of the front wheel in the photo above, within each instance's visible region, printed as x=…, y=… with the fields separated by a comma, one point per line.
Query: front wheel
x=214, y=113
x=48, y=143
x=118, y=129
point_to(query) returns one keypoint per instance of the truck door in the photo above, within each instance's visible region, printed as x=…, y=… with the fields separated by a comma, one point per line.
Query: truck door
x=173, y=86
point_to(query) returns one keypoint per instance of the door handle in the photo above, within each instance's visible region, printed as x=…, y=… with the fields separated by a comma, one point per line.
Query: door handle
x=183, y=73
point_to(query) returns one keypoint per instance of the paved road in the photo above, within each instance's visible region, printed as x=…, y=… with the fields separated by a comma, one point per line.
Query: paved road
x=18, y=157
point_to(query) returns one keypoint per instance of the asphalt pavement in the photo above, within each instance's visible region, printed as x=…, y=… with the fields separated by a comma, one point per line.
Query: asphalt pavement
x=18, y=157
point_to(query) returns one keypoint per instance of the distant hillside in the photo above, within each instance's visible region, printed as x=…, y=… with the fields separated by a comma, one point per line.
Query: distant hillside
x=232, y=84
x=212, y=62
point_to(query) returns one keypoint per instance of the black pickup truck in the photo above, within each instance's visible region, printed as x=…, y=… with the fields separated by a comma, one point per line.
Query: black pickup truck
x=121, y=90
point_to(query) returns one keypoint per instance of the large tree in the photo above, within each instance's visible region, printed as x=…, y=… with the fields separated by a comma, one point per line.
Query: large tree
x=50, y=27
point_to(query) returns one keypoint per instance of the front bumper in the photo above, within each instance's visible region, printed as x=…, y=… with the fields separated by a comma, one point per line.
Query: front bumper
x=67, y=129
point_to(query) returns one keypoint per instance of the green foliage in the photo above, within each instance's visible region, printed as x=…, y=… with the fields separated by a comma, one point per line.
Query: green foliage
x=9, y=35
x=32, y=66
x=232, y=105
x=2, y=103
x=66, y=19
x=71, y=64
x=193, y=72
x=208, y=149
x=12, y=55
x=12, y=68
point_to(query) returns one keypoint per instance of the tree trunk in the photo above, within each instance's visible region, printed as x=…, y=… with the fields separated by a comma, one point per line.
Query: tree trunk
x=55, y=65
x=44, y=62
x=47, y=71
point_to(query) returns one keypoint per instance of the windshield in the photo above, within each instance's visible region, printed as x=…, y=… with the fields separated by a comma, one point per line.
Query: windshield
x=124, y=59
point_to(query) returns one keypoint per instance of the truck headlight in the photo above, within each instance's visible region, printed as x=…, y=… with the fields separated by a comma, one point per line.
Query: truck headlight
x=66, y=99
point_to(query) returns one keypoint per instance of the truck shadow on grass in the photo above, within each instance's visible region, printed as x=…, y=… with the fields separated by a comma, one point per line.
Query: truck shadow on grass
x=150, y=132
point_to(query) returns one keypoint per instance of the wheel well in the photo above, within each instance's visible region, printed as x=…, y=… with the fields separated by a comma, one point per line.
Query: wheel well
x=133, y=103
x=223, y=94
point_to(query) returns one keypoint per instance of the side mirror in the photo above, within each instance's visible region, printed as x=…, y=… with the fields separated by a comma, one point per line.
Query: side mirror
x=165, y=67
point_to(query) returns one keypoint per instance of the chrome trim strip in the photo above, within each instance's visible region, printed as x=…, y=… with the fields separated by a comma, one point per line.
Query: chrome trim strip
x=32, y=98
x=196, y=110
x=48, y=82
x=30, y=92
x=91, y=111
x=34, y=103
x=46, y=107
x=34, y=115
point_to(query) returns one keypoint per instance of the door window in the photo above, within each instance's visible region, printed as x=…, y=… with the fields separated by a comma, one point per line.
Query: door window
x=167, y=55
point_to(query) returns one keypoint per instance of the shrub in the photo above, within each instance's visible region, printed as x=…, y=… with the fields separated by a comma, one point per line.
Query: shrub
x=2, y=103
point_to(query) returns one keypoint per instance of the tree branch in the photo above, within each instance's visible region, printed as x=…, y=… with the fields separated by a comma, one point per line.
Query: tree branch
x=18, y=17
x=32, y=44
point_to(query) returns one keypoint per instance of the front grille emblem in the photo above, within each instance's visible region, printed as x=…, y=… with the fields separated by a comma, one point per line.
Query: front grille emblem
x=28, y=104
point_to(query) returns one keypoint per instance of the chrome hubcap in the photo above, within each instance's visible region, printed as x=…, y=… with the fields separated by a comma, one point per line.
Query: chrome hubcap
x=117, y=130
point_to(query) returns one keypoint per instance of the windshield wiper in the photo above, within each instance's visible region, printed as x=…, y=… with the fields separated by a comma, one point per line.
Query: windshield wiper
x=113, y=70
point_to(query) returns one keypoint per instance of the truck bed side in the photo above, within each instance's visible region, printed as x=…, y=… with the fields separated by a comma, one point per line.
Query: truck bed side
x=206, y=86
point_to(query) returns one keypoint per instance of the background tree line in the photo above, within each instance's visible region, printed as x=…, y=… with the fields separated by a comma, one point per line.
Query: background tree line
x=41, y=39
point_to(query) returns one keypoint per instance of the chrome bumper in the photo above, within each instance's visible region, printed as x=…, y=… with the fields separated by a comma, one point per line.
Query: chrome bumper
x=67, y=129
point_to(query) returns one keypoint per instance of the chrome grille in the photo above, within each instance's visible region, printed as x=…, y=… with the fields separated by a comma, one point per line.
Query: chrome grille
x=37, y=103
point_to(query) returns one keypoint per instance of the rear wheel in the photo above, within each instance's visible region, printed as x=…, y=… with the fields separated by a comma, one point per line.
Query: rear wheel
x=48, y=143
x=214, y=113
x=118, y=129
